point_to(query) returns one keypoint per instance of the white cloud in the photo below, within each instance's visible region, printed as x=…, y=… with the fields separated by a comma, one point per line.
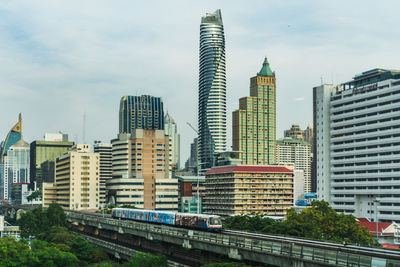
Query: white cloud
x=61, y=58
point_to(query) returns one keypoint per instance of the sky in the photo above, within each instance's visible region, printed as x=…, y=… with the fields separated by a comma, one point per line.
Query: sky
x=61, y=59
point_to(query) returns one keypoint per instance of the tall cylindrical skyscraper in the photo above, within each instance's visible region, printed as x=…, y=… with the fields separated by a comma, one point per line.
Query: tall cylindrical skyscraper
x=212, y=90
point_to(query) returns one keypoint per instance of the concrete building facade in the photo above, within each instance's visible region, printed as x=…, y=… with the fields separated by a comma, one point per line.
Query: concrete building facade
x=105, y=152
x=141, y=170
x=77, y=180
x=297, y=153
x=358, y=143
x=191, y=193
x=249, y=189
x=254, y=123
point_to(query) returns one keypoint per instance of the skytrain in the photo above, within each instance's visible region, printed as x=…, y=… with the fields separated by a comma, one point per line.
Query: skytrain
x=187, y=220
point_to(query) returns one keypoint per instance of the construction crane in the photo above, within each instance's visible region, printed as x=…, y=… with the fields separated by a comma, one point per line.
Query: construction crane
x=191, y=126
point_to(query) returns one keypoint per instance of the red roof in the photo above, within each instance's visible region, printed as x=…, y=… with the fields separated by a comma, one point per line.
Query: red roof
x=363, y=220
x=244, y=168
x=371, y=227
x=390, y=246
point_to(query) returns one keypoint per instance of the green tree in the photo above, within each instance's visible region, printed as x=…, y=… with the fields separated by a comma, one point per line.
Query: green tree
x=49, y=255
x=56, y=215
x=319, y=221
x=86, y=252
x=34, y=195
x=15, y=253
x=39, y=221
x=146, y=260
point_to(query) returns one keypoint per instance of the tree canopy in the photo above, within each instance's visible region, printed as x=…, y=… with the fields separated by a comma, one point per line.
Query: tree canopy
x=39, y=221
x=146, y=260
x=319, y=221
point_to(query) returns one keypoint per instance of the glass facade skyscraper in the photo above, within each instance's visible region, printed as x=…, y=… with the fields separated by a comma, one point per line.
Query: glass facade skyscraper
x=15, y=172
x=141, y=112
x=212, y=89
x=43, y=157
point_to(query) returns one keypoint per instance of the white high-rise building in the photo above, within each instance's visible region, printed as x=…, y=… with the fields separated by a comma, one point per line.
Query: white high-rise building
x=105, y=152
x=358, y=145
x=171, y=129
x=15, y=175
x=297, y=153
x=212, y=90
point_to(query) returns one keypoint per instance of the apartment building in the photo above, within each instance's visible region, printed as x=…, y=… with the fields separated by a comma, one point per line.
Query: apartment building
x=246, y=189
x=77, y=180
x=357, y=149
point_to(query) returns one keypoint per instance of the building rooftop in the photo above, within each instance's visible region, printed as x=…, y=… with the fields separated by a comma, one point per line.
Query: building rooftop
x=292, y=140
x=371, y=227
x=212, y=18
x=169, y=119
x=372, y=76
x=265, y=70
x=249, y=168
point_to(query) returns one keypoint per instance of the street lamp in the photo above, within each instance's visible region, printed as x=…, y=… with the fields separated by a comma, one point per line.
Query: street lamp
x=376, y=217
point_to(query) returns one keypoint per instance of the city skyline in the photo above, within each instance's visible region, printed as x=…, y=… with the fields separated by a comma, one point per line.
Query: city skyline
x=60, y=62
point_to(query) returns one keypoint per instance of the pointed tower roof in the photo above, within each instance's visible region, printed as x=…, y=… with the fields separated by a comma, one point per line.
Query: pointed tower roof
x=13, y=136
x=18, y=126
x=168, y=119
x=265, y=70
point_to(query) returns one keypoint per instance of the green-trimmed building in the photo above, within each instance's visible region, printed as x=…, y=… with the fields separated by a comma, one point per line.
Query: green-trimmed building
x=254, y=123
x=43, y=156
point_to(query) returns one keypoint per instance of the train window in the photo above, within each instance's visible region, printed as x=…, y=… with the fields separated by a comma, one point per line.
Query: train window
x=215, y=221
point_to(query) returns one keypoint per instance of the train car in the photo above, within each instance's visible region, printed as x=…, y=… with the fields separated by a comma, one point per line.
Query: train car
x=131, y=214
x=163, y=217
x=199, y=221
x=188, y=220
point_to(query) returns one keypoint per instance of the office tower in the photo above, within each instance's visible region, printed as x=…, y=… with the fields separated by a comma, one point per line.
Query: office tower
x=105, y=152
x=141, y=112
x=297, y=153
x=43, y=156
x=254, y=123
x=141, y=171
x=357, y=145
x=171, y=129
x=77, y=178
x=13, y=136
x=246, y=189
x=212, y=89
x=15, y=174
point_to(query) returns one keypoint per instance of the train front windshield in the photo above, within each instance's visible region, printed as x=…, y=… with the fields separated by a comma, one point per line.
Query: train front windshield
x=215, y=221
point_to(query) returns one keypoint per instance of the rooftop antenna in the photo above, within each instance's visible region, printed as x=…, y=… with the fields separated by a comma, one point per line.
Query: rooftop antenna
x=322, y=81
x=84, y=128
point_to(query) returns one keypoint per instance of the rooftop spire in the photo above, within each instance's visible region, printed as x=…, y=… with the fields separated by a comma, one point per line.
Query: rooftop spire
x=265, y=70
x=18, y=126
